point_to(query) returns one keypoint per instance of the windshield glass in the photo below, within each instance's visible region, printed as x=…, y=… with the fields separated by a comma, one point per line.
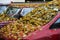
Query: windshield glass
x=56, y=24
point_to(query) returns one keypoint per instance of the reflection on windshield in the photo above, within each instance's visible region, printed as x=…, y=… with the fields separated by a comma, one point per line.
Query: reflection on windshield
x=26, y=10
x=2, y=8
x=58, y=21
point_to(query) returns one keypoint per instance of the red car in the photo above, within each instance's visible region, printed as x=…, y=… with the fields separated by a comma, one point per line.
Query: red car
x=47, y=32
